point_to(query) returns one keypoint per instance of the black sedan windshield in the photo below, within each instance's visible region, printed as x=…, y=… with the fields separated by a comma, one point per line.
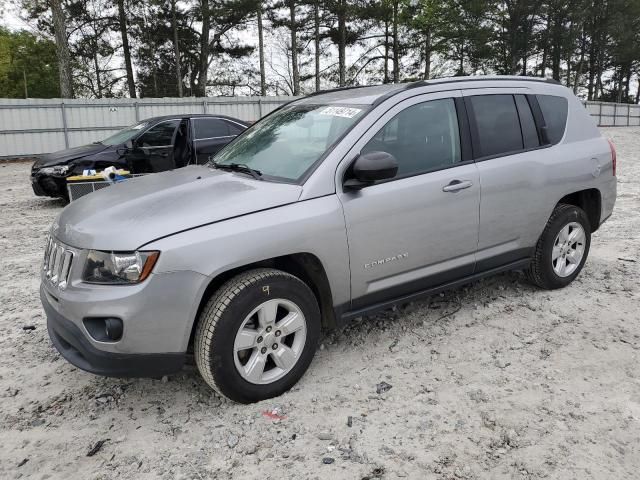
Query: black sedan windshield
x=124, y=134
x=288, y=142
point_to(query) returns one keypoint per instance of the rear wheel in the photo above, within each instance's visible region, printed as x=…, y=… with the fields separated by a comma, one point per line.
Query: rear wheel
x=562, y=248
x=257, y=335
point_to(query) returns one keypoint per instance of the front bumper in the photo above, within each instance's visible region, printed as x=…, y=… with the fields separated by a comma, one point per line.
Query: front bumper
x=157, y=317
x=74, y=346
x=49, y=185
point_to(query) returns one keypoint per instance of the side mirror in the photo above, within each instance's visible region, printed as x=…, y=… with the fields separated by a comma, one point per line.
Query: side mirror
x=128, y=144
x=369, y=168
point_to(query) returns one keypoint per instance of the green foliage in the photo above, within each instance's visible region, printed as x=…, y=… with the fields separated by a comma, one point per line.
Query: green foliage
x=23, y=55
x=592, y=46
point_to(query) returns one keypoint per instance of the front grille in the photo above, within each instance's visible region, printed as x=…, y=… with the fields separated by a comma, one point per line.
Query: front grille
x=57, y=263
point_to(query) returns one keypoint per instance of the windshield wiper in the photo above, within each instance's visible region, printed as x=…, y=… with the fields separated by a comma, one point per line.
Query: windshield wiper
x=239, y=167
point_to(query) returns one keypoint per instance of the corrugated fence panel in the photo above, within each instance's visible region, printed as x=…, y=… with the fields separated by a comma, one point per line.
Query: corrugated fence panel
x=36, y=126
x=614, y=114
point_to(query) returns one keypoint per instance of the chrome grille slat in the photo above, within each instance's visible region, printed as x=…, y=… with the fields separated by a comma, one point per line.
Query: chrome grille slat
x=57, y=263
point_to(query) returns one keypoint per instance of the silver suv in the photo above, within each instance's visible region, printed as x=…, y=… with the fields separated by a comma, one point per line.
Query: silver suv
x=333, y=206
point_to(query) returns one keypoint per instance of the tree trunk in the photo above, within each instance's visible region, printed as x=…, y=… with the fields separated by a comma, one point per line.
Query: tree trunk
x=294, y=47
x=126, y=50
x=342, y=44
x=176, y=47
x=396, y=52
x=427, y=55
x=96, y=65
x=627, y=83
x=386, y=51
x=263, y=76
x=203, y=73
x=580, y=65
x=592, y=64
x=62, y=49
x=316, y=39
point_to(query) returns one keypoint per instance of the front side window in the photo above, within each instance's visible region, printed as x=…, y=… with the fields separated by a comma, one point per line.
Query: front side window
x=422, y=138
x=287, y=143
x=498, y=124
x=210, y=128
x=160, y=135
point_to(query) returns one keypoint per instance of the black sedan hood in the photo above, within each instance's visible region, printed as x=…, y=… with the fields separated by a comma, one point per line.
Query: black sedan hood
x=63, y=156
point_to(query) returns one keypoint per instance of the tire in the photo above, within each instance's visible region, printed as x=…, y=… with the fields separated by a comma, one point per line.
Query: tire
x=545, y=271
x=240, y=314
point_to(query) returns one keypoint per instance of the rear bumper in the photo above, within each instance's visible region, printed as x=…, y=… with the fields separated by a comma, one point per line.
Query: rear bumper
x=74, y=346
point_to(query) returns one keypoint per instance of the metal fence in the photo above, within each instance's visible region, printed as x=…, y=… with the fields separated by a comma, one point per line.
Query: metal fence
x=614, y=114
x=35, y=126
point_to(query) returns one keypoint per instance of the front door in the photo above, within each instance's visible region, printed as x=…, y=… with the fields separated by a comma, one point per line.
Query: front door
x=153, y=150
x=419, y=229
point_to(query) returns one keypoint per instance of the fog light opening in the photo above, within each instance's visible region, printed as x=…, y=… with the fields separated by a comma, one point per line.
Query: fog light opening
x=104, y=329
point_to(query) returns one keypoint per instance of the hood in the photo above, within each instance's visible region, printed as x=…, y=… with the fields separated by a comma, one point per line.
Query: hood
x=63, y=156
x=130, y=214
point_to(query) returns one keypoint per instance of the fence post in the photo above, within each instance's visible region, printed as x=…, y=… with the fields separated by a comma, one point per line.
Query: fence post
x=628, y=113
x=600, y=114
x=135, y=104
x=204, y=106
x=259, y=108
x=64, y=124
x=615, y=114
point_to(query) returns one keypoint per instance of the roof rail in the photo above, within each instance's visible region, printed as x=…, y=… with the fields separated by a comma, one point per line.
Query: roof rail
x=479, y=78
x=337, y=89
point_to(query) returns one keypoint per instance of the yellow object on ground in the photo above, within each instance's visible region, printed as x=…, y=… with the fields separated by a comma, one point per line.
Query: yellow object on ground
x=98, y=176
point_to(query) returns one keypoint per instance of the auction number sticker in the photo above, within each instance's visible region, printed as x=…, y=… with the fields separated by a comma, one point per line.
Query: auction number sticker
x=346, y=112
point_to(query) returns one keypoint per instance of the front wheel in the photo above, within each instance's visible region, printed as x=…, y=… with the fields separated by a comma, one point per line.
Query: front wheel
x=257, y=335
x=562, y=248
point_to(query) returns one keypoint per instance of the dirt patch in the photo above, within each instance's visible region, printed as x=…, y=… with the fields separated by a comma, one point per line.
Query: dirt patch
x=496, y=380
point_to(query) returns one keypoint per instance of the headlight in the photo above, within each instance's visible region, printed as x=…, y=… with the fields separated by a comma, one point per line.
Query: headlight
x=121, y=268
x=57, y=170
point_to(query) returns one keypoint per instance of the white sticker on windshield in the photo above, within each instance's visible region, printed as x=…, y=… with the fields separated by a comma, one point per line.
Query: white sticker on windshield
x=346, y=112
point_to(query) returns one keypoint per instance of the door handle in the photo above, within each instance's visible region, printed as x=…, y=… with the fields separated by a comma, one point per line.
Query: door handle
x=457, y=185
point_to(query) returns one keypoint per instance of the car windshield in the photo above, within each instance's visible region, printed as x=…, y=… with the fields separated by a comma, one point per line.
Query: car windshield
x=124, y=134
x=287, y=143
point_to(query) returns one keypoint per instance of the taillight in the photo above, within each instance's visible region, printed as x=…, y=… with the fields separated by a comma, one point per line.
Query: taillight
x=613, y=156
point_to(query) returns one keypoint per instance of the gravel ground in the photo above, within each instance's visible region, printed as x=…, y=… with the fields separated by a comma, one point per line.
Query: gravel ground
x=496, y=380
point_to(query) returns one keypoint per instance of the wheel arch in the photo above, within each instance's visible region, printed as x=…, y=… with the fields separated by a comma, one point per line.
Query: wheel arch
x=306, y=266
x=589, y=200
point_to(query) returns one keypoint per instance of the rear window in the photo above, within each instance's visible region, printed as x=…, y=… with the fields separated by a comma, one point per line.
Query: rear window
x=554, y=110
x=498, y=124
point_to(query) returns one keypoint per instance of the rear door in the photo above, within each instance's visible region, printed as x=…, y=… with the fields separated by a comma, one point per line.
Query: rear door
x=419, y=229
x=210, y=135
x=508, y=153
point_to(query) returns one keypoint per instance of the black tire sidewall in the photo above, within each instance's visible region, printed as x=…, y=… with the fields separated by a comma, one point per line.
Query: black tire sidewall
x=568, y=215
x=221, y=358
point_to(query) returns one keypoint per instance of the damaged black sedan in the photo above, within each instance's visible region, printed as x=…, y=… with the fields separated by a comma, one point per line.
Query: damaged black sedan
x=153, y=145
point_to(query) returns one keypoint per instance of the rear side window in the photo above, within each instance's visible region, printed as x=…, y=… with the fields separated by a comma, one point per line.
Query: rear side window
x=498, y=124
x=210, y=128
x=554, y=110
